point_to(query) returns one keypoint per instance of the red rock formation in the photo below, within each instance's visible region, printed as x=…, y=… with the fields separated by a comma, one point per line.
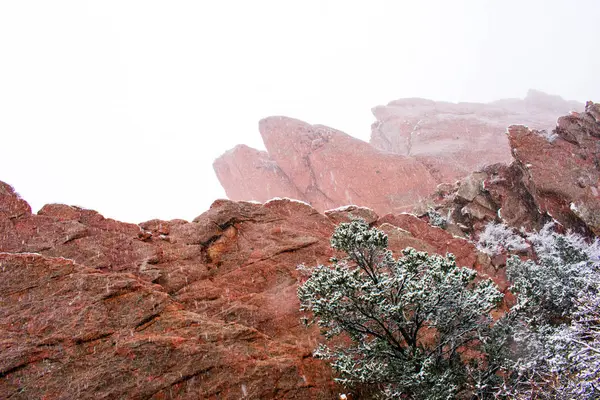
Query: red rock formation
x=95, y=308
x=554, y=175
x=256, y=176
x=562, y=170
x=167, y=309
x=416, y=144
x=171, y=309
x=453, y=140
x=324, y=167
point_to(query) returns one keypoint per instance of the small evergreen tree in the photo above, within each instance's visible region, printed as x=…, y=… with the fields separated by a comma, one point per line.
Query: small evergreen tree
x=416, y=327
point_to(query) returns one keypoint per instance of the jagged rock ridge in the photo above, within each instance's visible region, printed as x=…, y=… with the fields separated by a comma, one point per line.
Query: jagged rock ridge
x=455, y=139
x=324, y=167
x=95, y=308
x=554, y=176
x=415, y=145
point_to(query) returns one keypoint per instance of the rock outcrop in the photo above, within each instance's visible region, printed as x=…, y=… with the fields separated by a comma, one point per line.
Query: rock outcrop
x=554, y=176
x=324, y=167
x=453, y=140
x=415, y=145
x=95, y=308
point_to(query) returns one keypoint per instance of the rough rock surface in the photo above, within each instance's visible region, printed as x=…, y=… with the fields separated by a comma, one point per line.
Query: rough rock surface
x=324, y=167
x=256, y=175
x=415, y=145
x=563, y=171
x=453, y=140
x=554, y=176
x=95, y=308
x=167, y=309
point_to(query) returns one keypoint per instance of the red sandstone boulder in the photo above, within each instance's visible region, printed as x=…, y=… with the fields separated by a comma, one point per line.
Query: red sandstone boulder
x=11, y=204
x=203, y=309
x=349, y=213
x=563, y=169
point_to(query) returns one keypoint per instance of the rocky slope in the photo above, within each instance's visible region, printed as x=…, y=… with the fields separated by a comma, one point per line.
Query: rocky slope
x=95, y=308
x=415, y=145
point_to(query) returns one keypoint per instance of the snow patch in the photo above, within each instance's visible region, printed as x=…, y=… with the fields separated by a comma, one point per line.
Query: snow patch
x=344, y=208
x=573, y=208
x=275, y=199
x=549, y=136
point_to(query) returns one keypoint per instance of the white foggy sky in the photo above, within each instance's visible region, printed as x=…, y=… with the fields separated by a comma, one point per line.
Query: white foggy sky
x=121, y=106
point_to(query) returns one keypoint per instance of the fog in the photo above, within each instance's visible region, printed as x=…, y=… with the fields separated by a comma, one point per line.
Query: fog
x=121, y=106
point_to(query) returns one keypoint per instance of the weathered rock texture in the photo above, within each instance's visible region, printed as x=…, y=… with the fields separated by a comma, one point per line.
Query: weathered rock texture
x=415, y=145
x=95, y=308
x=554, y=175
x=324, y=167
x=168, y=309
x=453, y=140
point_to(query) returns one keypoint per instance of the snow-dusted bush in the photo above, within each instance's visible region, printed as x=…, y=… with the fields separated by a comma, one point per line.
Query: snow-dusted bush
x=583, y=345
x=548, y=287
x=405, y=321
x=497, y=238
x=557, y=316
x=549, y=136
x=554, y=247
x=436, y=219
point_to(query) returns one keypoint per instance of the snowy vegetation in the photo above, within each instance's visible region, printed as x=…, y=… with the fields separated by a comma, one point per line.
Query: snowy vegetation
x=436, y=219
x=407, y=321
x=419, y=327
x=556, y=316
x=498, y=238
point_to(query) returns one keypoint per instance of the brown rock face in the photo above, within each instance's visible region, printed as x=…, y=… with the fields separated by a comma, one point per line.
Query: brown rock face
x=453, y=140
x=563, y=170
x=415, y=145
x=324, y=167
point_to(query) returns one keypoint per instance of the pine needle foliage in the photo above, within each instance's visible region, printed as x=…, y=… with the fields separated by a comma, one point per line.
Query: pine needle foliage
x=416, y=327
